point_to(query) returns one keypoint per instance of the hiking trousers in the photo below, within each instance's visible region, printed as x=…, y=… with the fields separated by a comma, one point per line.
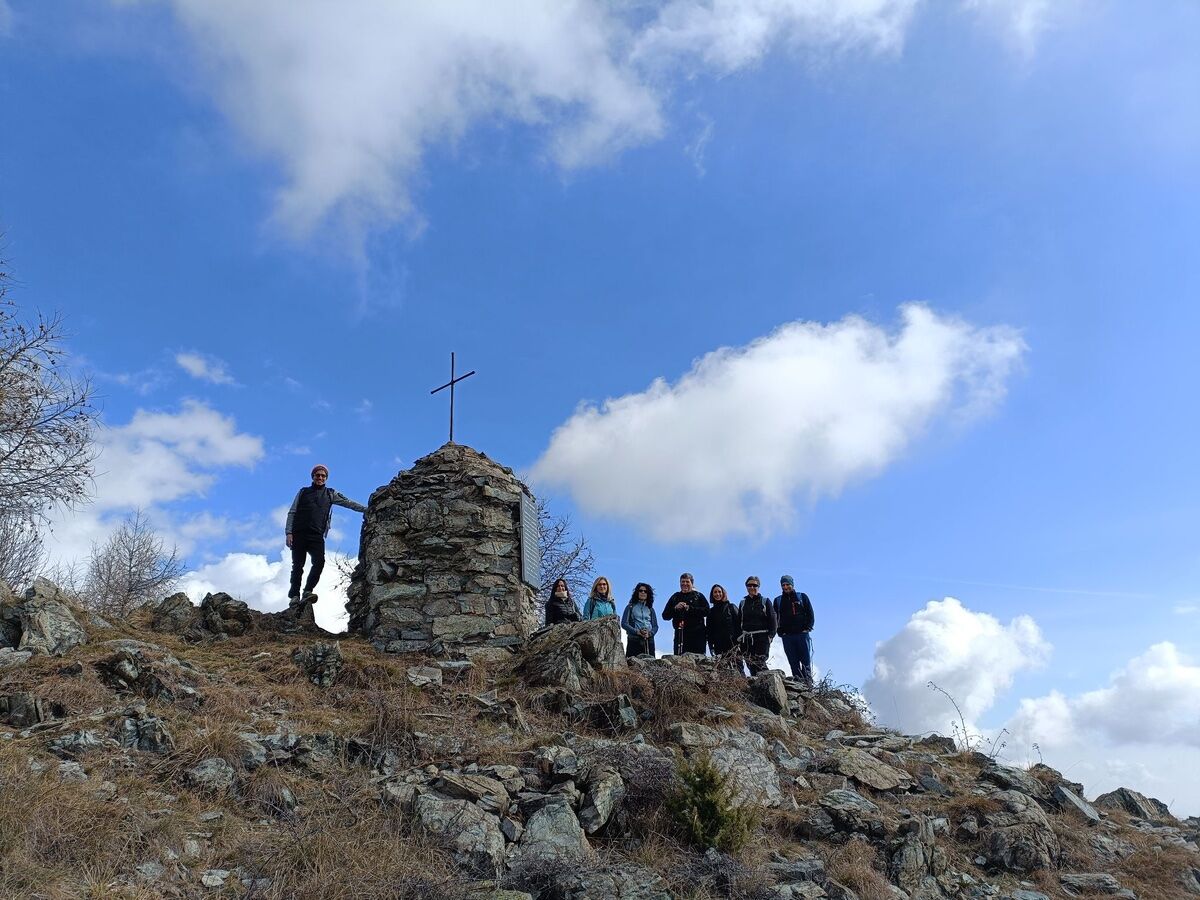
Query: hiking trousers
x=798, y=648
x=306, y=545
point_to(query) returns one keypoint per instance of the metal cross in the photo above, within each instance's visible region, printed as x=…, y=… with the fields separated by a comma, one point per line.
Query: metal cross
x=450, y=384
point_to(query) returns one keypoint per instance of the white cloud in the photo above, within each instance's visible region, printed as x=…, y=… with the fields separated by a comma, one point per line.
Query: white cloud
x=970, y=655
x=347, y=99
x=206, y=368
x=1142, y=729
x=727, y=35
x=155, y=459
x=1186, y=609
x=264, y=584
x=1023, y=22
x=839, y=403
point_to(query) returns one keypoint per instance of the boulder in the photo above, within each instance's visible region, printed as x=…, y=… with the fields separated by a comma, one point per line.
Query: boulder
x=605, y=791
x=613, y=715
x=558, y=763
x=623, y=881
x=1066, y=799
x=138, y=730
x=1012, y=779
x=20, y=710
x=572, y=654
x=1019, y=838
x=130, y=670
x=470, y=834
x=175, y=615
x=1093, y=884
x=319, y=662
x=739, y=755
x=42, y=622
x=222, y=615
x=486, y=793
x=850, y=811
x=1137, y=805
x=553, y=832
x=767, y=690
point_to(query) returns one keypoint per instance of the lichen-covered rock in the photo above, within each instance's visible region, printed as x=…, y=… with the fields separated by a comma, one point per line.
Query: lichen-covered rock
x=223, y=615
x=605, y=791
x=553, y=832
x=212, y=774
x=1019, y=837
x=486, y=793
x=865, y=769
x=41, y=622
x=1093, y=884
x=138, y=730
x=472, y=835
x=739, y=755
x=20, y=710
x=624, y=881
x=439, y=559
x=1013, y=779
x=767, y=691
x=319, y=662
x=175, y=615
x=572, y=654
x=850, y=811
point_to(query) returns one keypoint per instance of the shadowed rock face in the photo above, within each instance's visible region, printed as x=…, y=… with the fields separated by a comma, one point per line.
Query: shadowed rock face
x=439, y=558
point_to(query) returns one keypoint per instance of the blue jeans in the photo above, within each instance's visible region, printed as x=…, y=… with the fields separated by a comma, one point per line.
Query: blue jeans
x=798, y=648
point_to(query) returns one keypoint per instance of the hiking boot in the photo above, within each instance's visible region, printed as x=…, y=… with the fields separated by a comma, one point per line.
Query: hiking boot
x=293, y=599
x=309, y=597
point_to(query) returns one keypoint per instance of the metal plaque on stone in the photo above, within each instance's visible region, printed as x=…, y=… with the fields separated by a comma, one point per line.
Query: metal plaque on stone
x=531, y=550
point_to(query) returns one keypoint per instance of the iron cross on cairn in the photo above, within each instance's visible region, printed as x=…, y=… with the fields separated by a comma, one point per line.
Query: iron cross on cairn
x=450, y=384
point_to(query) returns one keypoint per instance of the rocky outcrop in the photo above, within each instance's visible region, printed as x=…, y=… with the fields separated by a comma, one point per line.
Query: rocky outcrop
x=572, y=654
x=43, y=621
x=439, y=560
x=319, y=662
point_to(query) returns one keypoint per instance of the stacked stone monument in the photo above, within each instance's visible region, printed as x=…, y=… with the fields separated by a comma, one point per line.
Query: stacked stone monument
x=440, y=557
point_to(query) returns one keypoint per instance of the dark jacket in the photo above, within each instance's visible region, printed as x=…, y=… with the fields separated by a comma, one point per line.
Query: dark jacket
x=691, y=619
x=561, y=609
x=794, y=613
x=724, y=626
x=312, y=510
x=758, y=614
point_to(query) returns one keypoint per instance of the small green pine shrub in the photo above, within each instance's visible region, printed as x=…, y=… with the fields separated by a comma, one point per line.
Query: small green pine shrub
x=702, y=806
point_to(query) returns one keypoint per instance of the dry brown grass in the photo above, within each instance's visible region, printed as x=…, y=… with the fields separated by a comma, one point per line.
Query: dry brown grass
x=858, y=865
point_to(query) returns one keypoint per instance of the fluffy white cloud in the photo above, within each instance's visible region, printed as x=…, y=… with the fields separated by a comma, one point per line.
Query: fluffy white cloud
x=156, y=458
x=970, y=655
x=348, y=98
x=843, y=401
x=264, y=584
x=206, y=368
x=1141, y=730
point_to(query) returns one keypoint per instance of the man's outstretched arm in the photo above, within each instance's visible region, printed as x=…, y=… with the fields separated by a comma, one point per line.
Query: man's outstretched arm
x=340, y=499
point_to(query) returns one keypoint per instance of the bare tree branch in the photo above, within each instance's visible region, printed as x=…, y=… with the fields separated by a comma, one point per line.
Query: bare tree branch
x=564, y=555
x=21, y=552
x=46, y=418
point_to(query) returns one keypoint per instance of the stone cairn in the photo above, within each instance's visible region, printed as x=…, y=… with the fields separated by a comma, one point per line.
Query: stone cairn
x=440, y=560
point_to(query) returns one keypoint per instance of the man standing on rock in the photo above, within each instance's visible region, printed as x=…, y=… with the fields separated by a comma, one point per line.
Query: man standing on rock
x=794, y=613
x=307, y=526
x=688, y=610
x=758, y=627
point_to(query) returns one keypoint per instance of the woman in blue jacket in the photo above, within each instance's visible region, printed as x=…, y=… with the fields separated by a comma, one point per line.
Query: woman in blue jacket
x=600, y=602
x=640, y=621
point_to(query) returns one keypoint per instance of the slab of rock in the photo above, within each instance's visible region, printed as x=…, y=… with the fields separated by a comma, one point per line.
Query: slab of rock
x=1013, y=779
x=10, y=658
x=558, y=763
x=850, y=811
x=865, y=769
x=136, y=729
x=175, y=615
x=20, y=710
x=1019, y=837
x=486, y=793
x=1138, y=805
x=77, y=743
x=624, y=881
x=1065, y=798
x=742, y=756
x=1092, y=884
x=420, y=676
x=613, y=715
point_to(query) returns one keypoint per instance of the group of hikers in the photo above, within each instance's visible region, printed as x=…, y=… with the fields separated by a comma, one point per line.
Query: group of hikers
x=701, y=624
x=704, y=624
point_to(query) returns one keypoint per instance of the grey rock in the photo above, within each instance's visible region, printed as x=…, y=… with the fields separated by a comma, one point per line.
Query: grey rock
x=553, y=832
x=558, y=763
x=850, y=811
x=150, y=871
x=1022, y=894
x=1137, y=805
x=214, y=878
x=623, y=881
x=21, y=710
x=1019, y=837
x=212, y=774
x=570, y=655
x=71, y=771
x=486, y=793
x=320, y=662
x=11, y=658
x=470, y=834
x=794, y=871
x=420, y=676
x=767, y=690
x=1089, y=884
x=1013, y=779
x=138, y=730
x=76, y=743
x=1066, y=799
x=605, y=791
x=511, y=829
x=222, y=615
x=175, y=615
x=43, y=620
x=865, y=769
x=739, y=755
x=614, y=715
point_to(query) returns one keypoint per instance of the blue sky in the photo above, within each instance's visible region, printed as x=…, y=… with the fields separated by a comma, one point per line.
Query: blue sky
x=268, y=225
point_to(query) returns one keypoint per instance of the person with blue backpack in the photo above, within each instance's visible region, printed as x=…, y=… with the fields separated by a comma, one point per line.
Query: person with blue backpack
x=640, y=622
x=795, y=618
x=600, y=602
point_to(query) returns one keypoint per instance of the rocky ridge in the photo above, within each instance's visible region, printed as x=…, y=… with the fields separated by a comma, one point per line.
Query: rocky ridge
x=203, y=751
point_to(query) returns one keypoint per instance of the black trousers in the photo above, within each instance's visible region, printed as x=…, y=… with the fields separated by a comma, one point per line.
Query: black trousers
x=690, y=640
x=756, y=647
x=635, y=645
x=306, y=545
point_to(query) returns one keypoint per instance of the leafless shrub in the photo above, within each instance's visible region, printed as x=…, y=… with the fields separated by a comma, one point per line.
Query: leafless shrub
x=46, y=418
x=21, y=552
x=719, y=875
x=131, y=568
x=564, y=554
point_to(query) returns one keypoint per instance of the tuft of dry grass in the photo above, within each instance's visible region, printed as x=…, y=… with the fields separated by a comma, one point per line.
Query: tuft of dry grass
x=858, y=865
